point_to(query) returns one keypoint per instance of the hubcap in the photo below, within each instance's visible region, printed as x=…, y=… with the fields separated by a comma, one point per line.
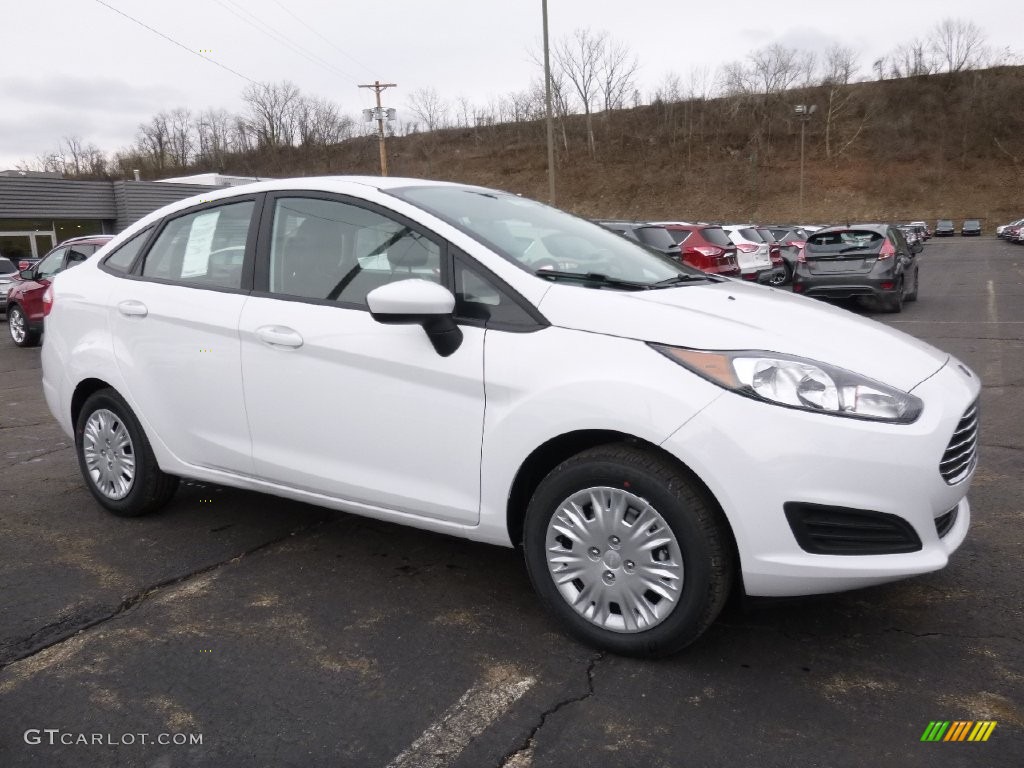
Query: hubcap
x=109, y=454
x=16, y=320
x=614, y=559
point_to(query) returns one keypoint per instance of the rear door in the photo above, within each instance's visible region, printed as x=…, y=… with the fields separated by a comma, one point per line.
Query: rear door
x=843, y=251
x=175, y=329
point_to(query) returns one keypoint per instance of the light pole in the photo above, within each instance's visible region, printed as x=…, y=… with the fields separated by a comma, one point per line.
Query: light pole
x=803, y=113
x=547, y=98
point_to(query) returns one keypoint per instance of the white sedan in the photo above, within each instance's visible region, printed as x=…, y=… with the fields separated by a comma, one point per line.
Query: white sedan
x=651, y=436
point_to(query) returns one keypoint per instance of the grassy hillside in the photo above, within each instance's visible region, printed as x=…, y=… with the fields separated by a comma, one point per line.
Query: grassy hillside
x=948, y=145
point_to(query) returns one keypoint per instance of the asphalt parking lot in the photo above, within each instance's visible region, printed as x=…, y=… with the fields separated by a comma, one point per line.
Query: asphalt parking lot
x=287, y=635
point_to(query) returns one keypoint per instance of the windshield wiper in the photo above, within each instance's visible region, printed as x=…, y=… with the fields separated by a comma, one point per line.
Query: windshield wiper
x=668, y=282
x=595, y=278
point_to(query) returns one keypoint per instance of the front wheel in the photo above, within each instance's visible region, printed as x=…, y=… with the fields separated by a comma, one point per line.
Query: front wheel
x=626, y=552
x=17, y=324
x=116, y=459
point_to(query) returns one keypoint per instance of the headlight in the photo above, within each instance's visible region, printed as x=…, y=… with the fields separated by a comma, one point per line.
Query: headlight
x=4, y=288
x=798, y=383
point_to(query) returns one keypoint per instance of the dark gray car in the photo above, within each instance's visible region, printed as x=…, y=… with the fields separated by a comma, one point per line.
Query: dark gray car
x=872, y=261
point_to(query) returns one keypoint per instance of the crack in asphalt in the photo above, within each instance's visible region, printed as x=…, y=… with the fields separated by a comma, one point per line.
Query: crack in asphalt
x=529, y=742
x=69, y=627
x=38, y=456
x=1004, y=447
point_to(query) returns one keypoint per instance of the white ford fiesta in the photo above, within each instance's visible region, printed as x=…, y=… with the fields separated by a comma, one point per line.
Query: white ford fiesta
x=475, y=363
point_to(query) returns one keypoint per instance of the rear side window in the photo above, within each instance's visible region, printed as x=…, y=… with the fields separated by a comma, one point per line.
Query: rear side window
x=122, y=259
x=716, y=236
x=657, y=237
x=205, y=248
x=844, y=240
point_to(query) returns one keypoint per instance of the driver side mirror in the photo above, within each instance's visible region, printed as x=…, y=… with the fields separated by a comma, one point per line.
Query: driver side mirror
x=28, y=274
x=418, y=302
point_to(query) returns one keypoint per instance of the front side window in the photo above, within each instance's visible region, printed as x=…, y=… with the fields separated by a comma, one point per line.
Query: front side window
x=541, y=239
x=79, y=253
x=334, y=251
x=51, y=264
x=206, y=248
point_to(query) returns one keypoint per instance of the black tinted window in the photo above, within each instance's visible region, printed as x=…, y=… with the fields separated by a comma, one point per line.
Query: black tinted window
x=716, y=236
x=751, y=234
x=658, y=237
x=122, y=259
x=477, y=297
x=842, y=240
x=679, y=235
x=7, y=267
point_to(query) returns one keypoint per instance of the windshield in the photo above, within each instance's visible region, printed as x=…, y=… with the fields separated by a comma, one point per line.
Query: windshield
x=534, y=236
x=7, y=267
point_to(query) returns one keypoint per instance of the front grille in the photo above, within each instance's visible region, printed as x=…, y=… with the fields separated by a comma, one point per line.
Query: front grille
x=962, y=451
x=944, y=522
x=824, y=530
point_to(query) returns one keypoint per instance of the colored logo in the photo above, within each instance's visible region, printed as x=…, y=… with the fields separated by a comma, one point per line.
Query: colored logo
x=958, y=730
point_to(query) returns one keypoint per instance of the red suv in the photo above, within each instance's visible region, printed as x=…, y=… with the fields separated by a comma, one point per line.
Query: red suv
x=707, y=248
x=25, y=299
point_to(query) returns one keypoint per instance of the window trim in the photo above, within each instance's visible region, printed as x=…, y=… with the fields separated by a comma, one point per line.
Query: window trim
x=250, y=245
x=261, y=275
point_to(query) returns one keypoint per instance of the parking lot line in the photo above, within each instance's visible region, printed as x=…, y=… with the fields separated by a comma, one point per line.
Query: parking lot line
x=466, y=719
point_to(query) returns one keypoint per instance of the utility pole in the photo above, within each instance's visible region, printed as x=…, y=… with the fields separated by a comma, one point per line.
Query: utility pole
x=803, y=113
x=380, y=115
x=547, y=97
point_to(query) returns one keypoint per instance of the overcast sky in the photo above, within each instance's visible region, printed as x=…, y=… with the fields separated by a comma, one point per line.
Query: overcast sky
x=77, y=67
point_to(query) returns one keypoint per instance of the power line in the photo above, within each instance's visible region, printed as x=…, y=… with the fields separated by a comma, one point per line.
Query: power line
x=327, y=40
x=172, y=40
x=278, y=37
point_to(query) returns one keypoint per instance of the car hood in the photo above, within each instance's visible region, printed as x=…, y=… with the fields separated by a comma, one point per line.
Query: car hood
x=732, y=315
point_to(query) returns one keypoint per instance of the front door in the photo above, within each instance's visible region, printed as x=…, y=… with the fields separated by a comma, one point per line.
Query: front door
x=338, y=403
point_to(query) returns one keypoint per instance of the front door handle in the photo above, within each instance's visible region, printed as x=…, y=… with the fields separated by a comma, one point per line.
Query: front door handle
x=279, y=336
x=132, y=308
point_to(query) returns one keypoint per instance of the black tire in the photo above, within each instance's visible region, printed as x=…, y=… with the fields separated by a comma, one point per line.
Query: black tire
x=783, y=279
x=912, y=296
x=701, y=533
x=151, y=488
x=28, y=337
x=894, y=304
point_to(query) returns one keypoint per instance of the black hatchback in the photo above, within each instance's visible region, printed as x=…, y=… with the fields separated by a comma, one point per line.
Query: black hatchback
x=865, y=261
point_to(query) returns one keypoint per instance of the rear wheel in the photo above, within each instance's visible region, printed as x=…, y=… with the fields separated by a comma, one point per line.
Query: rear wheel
x=116, y=459
x=783, y=277
x=17, y=324
x=894, y=303
x=626, y=552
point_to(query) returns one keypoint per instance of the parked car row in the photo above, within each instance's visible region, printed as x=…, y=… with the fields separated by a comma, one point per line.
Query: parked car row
x=1012, y=232
x=947, y=228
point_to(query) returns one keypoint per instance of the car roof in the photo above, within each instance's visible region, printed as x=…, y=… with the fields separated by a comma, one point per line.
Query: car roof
x=879, y=228
x=89, y=239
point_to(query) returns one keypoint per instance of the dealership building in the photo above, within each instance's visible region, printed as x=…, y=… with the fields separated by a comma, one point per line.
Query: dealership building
x=39, y=210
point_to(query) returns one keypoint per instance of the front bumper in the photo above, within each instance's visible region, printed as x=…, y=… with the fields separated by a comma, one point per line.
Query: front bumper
x=755, y=457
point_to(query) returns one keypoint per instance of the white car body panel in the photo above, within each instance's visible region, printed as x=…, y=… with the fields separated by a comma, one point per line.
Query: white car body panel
x=755, y=261
x=437, y=442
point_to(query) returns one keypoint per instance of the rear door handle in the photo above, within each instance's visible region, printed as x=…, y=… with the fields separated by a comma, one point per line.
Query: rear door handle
x=279, y=336
x=132, y=308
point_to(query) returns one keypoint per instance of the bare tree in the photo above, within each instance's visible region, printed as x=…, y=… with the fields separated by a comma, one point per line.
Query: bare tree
x=271, y=112
x=579, y=58
x=957, y=43
x=213, y=135
x=320, y=123
x=153, y=140
x=616, y=69
x=181, y=136
x=912, y=59
x=429, y=107
x=839, y=65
